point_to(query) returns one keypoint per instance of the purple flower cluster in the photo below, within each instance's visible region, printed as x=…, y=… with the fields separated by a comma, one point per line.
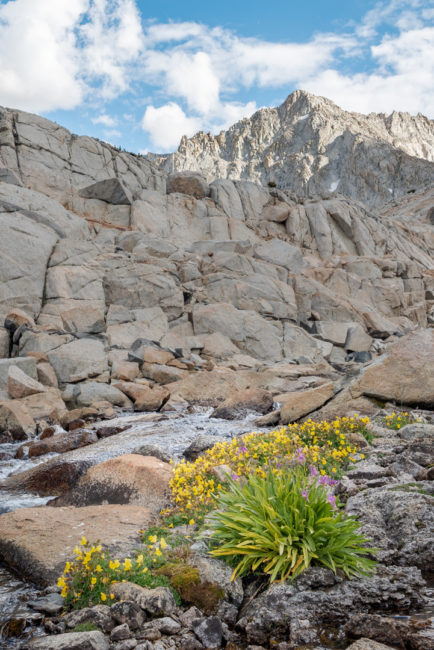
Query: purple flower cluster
x=300, y=456
x=242, y=450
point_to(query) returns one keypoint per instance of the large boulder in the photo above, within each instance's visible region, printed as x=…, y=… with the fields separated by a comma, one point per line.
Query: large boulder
x=404, y=375
x=190, y=183
x=110, y=190
x=133, y=479
x=88, y=320
x=302, y=403
x=26, y=364
x=51, y=478
x=21, y=385
x=277, y=251
x=78, y=360
x=16, y=419
x=242, y=402
x=38, y=541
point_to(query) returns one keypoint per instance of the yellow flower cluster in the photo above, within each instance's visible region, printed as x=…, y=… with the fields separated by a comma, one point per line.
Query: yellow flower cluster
x=323, y=444
x=398, y=420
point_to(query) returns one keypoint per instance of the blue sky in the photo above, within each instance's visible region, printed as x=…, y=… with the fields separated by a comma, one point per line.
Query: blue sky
x=140, y=74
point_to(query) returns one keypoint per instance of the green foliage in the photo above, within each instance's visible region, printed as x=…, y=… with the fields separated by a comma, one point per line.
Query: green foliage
x=85, y=627
x=398, y=420
x=284, y=523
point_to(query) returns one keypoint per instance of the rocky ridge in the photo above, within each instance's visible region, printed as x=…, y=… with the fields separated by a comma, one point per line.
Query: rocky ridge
x=310, y=146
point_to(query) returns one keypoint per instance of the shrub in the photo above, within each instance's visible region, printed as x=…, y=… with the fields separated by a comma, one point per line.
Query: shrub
x=398, y=420
x=323, y=444
x=86, y=581
x=283, y=523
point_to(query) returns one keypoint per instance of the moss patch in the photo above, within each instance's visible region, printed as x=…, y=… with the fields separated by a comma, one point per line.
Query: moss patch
x=186, y=580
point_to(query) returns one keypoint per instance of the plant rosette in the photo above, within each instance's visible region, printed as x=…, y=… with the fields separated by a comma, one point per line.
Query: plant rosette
x=282, y=524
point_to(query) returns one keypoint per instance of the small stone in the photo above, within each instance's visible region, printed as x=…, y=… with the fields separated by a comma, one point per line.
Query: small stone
x=128, y=612
x=167, y=625
x=120, y=633
x=209, y=631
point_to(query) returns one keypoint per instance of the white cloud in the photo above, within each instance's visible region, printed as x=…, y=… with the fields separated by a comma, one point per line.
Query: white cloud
x=39, y=66
x=105, y=120
x=167, y=124
x=53, y=54
x=402, y=79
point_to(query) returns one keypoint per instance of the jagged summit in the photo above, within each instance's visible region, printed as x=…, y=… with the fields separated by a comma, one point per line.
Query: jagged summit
x=311, y=146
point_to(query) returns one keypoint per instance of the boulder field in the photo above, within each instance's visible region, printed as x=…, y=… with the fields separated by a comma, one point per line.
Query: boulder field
x=123, y=286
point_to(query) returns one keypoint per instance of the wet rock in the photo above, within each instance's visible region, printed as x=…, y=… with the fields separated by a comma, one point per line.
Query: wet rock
x=60, y=443
x=75, y=418
x=153, y=450
x=209, y=631
x=38, y=541
x=242, y=402
x=269, y=420
x=302, y=403
x=71, y=641
x=50, y=604
x=398, y=521
x=132, y=478
x=200, y=444
x=98, y=615
x=50, y=478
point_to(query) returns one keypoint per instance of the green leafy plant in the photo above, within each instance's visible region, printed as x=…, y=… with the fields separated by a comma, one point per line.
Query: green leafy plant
x=284, y=523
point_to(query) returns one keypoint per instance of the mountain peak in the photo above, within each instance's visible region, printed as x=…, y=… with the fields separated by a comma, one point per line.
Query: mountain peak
x=310, y=146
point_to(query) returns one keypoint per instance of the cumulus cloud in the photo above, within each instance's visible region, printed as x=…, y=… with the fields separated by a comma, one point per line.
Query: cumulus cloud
x=55, y=54
x=167, y=124
x=105, y=120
